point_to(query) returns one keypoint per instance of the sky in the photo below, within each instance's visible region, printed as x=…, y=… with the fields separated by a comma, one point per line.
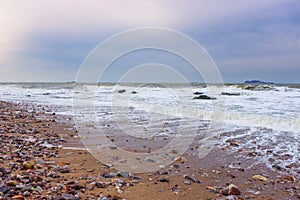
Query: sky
x=48, y=40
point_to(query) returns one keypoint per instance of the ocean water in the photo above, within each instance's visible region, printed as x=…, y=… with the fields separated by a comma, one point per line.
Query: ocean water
x=263, y=118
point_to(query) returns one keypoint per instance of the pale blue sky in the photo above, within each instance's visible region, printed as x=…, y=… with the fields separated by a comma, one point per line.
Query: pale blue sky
x=251, y=39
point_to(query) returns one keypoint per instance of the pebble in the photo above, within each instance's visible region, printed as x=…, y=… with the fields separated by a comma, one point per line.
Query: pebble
x=260, y=177
x=122, y=174
x=233, y=190
x=187, y=182
x=20, y=187
x=11, y=183
x=148, y=159
x=18, y=197
x=192, y=178
x=4, y=189
x=65, y=196
x=52, y=175
x=164, y=180
x=39, y=189
x=100, y=185
x=65, y=169
x=28, y=165
x=3, y=171
x=181, y=160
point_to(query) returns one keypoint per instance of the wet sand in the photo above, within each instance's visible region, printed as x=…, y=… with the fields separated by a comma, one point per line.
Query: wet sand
x=35, y=164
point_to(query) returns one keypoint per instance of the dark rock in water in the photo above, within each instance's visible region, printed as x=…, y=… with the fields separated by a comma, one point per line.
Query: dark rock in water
x=276, y=167
x=47, y=93
x=121, y=91
x=231, y=93
x=197, y=93
x=205, y=97
x=257, y=82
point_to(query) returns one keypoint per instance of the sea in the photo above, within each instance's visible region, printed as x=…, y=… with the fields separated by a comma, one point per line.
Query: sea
x=265, y=118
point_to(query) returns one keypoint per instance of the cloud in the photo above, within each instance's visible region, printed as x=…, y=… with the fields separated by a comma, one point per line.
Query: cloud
x=56, y=35
x=70, y=17
x=32, y=69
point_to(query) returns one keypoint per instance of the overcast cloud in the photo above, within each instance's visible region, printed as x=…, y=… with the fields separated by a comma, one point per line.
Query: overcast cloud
x=48, y=40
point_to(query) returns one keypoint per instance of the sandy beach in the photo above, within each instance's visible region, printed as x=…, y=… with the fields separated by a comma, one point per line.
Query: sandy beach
x=41, y=157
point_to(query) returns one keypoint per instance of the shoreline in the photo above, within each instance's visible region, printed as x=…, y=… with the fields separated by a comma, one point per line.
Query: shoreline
x=34, y=165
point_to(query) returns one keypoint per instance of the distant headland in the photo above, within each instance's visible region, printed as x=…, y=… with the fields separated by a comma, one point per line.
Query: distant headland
x=257, y=82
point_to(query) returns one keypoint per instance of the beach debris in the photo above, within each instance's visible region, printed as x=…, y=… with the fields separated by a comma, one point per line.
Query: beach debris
x=260, y=177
